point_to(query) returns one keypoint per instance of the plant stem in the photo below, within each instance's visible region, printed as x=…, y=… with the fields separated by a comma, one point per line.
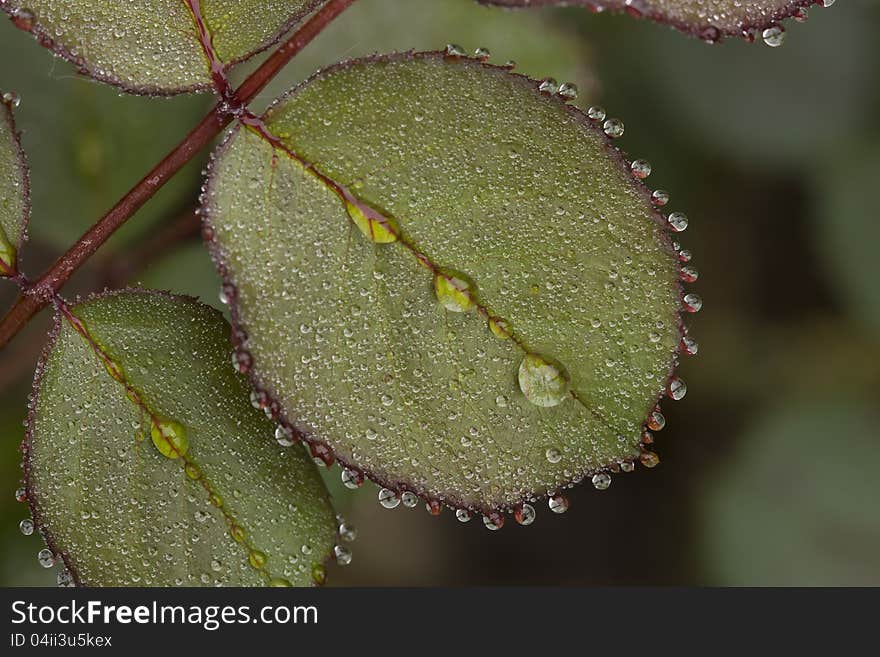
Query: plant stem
x=35, y=296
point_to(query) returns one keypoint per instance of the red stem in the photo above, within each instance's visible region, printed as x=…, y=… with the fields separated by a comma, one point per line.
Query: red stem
x=37, y=295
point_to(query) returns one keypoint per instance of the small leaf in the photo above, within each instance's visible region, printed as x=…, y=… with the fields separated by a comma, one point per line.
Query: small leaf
x=146, y=465
x=154, y=46
x=518, y=231
x=14, y=195
x=707, y=19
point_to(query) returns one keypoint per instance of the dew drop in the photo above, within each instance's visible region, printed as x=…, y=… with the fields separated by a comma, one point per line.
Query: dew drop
x=500, y=328
x=169, y=437
x=656, y=421
x=601, y=481
x=342, y=555
x=454, y=50
x=228, y=294
x=257, y=559
x=434, y=507
x=463, y=515
x=482, y=54
x=689, y=274
x=568, y=91
x=45, y=558
x=375, y=226
x=11, y=99
x=827, y=3
x=774, y=36
x=388, y=498
x=493, y=521
x=627, y=466
x=660, y=197
x=692, y=302
x=454, y=291
x=548, y=86
x=319, y=574
x=676, y=389
x=678, y=221
x=279, y=582
x=542, y=382
x=524, y=514
x=689, y=346
x=613, y=128
x=641, y=169
x=649, y=459
x=409, y=499
x=65, y=579
x=553, y=455
x=558, y=504
x=347, y=532
x=596, y=113
x=284, y=436
x=26, y=526
x=20, y=494
x=352, y=479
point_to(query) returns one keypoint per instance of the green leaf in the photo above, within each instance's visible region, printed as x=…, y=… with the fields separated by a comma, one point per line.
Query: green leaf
x=135, y=375
x=154, y=46
x=507, y=203
x=707, y=19
x=14, y=197
x=796, y=503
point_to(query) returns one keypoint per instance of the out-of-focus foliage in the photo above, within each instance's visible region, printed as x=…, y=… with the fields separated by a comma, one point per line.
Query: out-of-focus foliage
x=780, y=227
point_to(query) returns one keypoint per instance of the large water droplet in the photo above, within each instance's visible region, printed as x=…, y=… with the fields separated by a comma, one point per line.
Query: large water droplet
x=558, y=504
x=678, y=221
x=26, y=526
x=774, y=36
x=601, y=480
x=169, y=437
x=388, y=498
x=454, y=291
x=676, y=389
x=342, y=554
x=613, y=128
x=544, y=383
x=524, y=514
x=45, y=558
x=375, y=226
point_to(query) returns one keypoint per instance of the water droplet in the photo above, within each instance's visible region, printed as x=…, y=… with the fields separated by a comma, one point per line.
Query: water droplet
x=26, y=526
x=279, y=582
x=524, y=514
x=689, y=274
x=692, y=302
x=352, y=479
x=454, y=291
x=238, y=533
x=433, y=507
x=660, y=197
x=45, y=558
x=678, y=221
x=257, y=559
x=558, y=504
x=553, y=455
x=347, y=532
x=568, y=90
x=319, y=574
x=322, y=455
x=613, y=128
x=656, y=421
x=284, y=436
x=192, y=471
x=410, y=500
x=482, y=54
x=684, y=255
x=375, y=226
x=676, y=389
x=641, y=169
x=627, y=466
x=169, y=437
x=548, y=86
x=463, y=515
x=601, y=481
x=20, y=494
x=494, y=521
x=12, y=99
x=827, y=3
x=649, y=459
x=689, y=346
x=596, y=113
x=342, y=554
x=228, y=293
x=500, y=328
x=774, y=36
x=509, y=64
x=710, y=34
x=65, y=579
x=542, y=382
x=242, y=361
x=454, y=50
x=801, y=14
x=388, y=498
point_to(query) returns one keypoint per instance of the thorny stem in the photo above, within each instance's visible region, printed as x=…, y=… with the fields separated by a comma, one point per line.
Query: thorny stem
x=40, y=293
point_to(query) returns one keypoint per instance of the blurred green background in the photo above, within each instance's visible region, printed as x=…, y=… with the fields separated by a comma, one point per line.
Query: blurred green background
x=771, y=465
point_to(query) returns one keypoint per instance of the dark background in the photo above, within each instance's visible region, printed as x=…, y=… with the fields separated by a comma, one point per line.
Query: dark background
x=770, y=465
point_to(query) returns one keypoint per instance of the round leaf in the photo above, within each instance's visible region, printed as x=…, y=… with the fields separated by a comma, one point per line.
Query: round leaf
x=441, y=220
x=135, y=375
x=707, y=19
x=14, y=198
x=154, y=46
